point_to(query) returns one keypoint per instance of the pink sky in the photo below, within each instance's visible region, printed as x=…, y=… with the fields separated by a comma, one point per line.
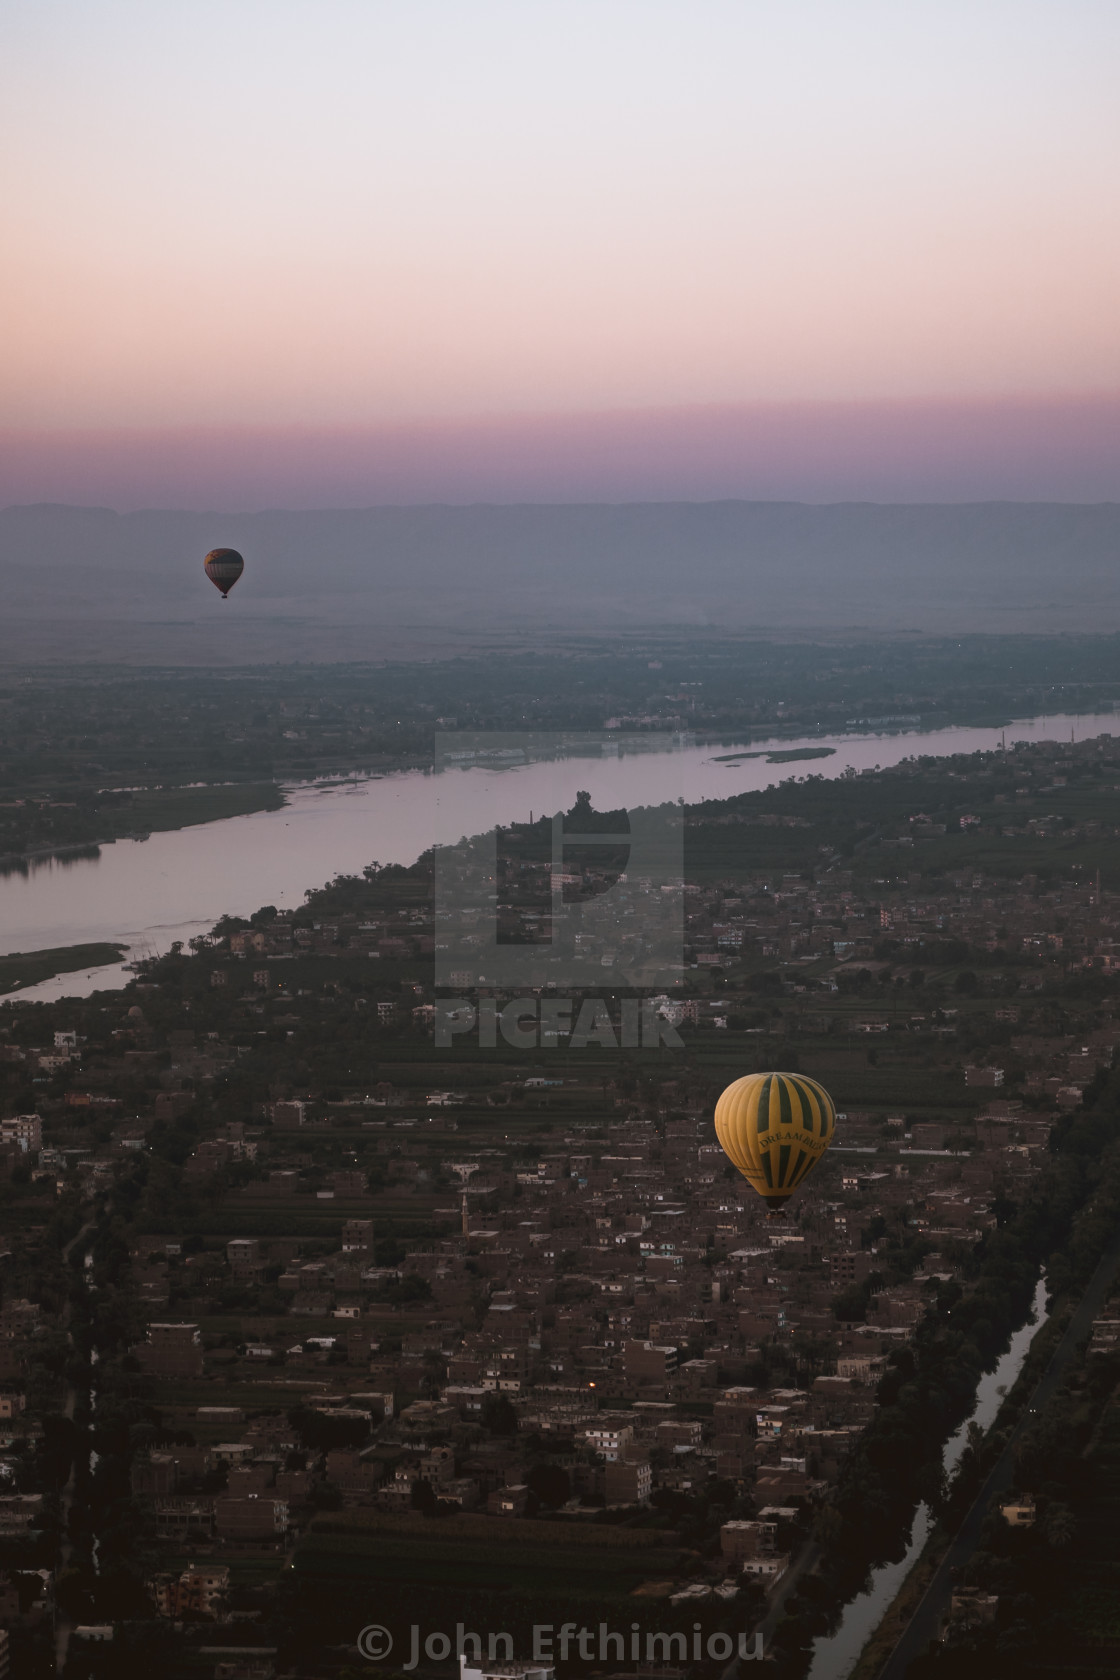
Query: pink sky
x=275, y=252
x=1013, y=450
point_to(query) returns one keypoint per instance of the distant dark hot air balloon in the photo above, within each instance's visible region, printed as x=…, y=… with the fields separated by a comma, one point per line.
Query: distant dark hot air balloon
x=223, y=566
x=775, y=1127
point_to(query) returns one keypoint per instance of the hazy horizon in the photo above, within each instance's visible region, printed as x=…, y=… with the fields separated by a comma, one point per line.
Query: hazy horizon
x=345, y=584
x=900, y=453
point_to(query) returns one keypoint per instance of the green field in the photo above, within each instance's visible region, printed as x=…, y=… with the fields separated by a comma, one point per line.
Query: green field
x=487, y=1574
x=541, y=1566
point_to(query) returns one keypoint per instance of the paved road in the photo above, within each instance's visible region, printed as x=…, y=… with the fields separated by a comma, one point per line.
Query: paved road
x=925, y=1624
x=805, y=1562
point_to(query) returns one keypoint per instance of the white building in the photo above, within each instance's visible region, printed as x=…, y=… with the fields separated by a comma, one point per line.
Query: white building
x=24, y=1129
x=610, y=1440
x=476, y=1668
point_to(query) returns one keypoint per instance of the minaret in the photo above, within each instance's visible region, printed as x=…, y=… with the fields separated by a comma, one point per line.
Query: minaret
x=466, y=1217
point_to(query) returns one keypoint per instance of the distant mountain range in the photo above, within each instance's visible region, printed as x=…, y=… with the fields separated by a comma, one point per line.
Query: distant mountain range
x=389, y=582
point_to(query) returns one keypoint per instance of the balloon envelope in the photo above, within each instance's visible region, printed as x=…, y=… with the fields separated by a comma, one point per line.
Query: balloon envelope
x=775, y=1127
x=223, y=567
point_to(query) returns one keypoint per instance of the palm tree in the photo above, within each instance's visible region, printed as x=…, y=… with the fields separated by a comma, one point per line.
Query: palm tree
x=1060, y=1527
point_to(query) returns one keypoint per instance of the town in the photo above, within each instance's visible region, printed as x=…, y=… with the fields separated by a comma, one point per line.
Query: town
x=365, y=1328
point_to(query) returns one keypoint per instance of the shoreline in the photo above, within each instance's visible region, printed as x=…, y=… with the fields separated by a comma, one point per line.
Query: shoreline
x=22, y=969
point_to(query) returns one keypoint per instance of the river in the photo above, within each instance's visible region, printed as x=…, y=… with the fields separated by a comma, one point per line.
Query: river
x=835, y=1656
x=176, y=884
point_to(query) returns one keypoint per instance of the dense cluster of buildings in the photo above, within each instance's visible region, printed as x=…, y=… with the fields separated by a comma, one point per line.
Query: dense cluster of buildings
x=517, y=1285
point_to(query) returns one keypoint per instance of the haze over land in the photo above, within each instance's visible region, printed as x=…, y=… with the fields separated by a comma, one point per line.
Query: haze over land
x=340, y=585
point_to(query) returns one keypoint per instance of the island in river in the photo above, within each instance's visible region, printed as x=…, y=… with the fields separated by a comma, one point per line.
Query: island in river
x=28, y=968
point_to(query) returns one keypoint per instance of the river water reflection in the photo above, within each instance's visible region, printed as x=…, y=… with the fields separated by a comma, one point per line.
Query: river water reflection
x=176, y=884
x=835, y=1657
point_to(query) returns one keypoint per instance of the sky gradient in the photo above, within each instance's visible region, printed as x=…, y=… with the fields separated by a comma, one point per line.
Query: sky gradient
x=346, y=251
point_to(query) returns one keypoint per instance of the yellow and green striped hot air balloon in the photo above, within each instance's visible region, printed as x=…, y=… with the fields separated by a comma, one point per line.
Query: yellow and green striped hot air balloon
x=775, y=1127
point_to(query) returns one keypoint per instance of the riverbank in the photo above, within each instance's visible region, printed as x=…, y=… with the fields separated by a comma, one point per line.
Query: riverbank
x=928, y=1618
x=79, y=740
x=155, y=810
x=899, y=1612
x=876, y=1653
x=139, y=812
x=987, y=1468
x=175, y=886
x=31, y=968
